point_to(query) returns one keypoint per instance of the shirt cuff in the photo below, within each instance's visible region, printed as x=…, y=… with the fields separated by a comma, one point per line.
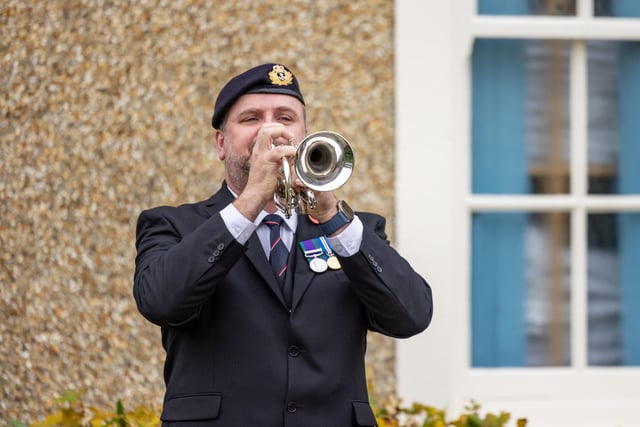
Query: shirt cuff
x=348, y=241
x=239, y=226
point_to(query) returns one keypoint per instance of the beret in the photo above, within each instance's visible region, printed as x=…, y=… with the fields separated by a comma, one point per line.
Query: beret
x=265, y=78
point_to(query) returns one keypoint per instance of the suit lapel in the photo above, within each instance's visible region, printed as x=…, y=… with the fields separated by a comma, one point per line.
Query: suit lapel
x=257, y=257
x=303, y=273
x=299, y=273
x=254, y=253
x=219, y=200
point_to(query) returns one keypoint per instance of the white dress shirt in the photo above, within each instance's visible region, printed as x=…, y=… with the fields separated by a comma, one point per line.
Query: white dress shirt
x=345, y=243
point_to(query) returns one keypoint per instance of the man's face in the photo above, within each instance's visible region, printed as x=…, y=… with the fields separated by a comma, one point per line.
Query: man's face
x=244, y=119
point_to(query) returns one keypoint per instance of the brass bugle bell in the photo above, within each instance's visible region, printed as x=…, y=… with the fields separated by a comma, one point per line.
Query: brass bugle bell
x=323, y=161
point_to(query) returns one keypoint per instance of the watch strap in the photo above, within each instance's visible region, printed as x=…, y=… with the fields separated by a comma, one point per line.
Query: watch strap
x=335, y=223
x=343, y=217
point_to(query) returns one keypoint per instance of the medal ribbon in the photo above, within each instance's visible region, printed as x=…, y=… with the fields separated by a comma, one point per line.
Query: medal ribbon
x=326, y=247
x=319, y=254
x=311, y=249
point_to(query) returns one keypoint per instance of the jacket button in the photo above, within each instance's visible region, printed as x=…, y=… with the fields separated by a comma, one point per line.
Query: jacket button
x=210, y=259
x=292, y=407
x=294, y=351
x=220, y=246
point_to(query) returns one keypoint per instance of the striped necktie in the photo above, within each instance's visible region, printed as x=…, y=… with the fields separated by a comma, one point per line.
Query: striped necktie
x=278, y=252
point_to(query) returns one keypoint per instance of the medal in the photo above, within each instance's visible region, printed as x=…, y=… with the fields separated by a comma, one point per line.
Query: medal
x=332, y=260
x=319, y=255
x=314, y=255
x=333, y=263
x=318, y=265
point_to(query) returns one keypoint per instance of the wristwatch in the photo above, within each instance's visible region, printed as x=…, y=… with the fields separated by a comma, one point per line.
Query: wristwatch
x=344, y=216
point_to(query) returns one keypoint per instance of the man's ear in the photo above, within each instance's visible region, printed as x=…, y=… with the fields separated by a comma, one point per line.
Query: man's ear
x=220, y=144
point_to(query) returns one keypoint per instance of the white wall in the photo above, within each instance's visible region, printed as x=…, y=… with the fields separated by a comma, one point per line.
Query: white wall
x=426, y=78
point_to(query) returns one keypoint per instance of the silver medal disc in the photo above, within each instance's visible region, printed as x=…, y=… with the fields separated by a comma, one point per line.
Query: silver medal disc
x=318, y=265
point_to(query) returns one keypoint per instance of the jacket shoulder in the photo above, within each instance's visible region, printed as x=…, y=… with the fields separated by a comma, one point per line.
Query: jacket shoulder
x=204, y=208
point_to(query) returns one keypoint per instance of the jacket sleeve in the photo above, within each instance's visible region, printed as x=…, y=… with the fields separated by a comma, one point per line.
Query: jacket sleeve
x=398, y=300
x=177, y=267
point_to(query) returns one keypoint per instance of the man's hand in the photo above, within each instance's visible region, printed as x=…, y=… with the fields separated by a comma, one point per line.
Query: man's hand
x=271, y=146
x=326, y=207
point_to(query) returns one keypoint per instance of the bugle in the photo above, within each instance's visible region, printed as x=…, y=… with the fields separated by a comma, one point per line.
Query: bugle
x=323, y=161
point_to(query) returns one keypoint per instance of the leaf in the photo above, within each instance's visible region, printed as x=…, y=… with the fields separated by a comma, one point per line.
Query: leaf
x=121, y=415
x=120, y=408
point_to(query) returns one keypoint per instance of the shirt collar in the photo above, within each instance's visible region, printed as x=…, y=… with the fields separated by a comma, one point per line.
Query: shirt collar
x=292, y=221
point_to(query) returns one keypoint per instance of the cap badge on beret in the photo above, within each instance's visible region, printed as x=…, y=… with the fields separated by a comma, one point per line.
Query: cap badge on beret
x=280, y=76
x=266, y=78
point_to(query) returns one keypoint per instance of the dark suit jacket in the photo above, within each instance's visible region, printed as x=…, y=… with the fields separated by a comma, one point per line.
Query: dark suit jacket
x=236, y=353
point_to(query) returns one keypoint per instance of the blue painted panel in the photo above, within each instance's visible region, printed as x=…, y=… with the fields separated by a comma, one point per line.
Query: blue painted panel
x=629, y=169
x=503, y=7
x=498, y=118
x=626, y=8
x=499, y=166
x=497, y=293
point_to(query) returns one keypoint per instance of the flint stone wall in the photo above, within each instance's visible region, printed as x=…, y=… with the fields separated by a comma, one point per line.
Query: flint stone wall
x=104, y=111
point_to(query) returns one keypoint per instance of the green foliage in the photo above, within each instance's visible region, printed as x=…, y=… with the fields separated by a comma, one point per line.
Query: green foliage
x=393, y=414
x=70, y=411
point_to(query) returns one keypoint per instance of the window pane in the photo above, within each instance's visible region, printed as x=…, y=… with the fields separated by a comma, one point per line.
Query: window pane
x=527, y=7
x=520, y=289
x=621, y=8
x=614, y=130
x=614, y=291
x=520, y=117
x=603, y=117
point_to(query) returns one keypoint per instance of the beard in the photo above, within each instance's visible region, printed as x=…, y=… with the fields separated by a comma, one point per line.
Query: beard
x=238, y=166
x=238, y=171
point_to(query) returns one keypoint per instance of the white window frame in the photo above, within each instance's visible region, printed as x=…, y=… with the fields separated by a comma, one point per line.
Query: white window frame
x=433, y=47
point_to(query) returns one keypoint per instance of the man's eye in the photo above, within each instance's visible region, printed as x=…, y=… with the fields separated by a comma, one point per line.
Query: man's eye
x=285, y=119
